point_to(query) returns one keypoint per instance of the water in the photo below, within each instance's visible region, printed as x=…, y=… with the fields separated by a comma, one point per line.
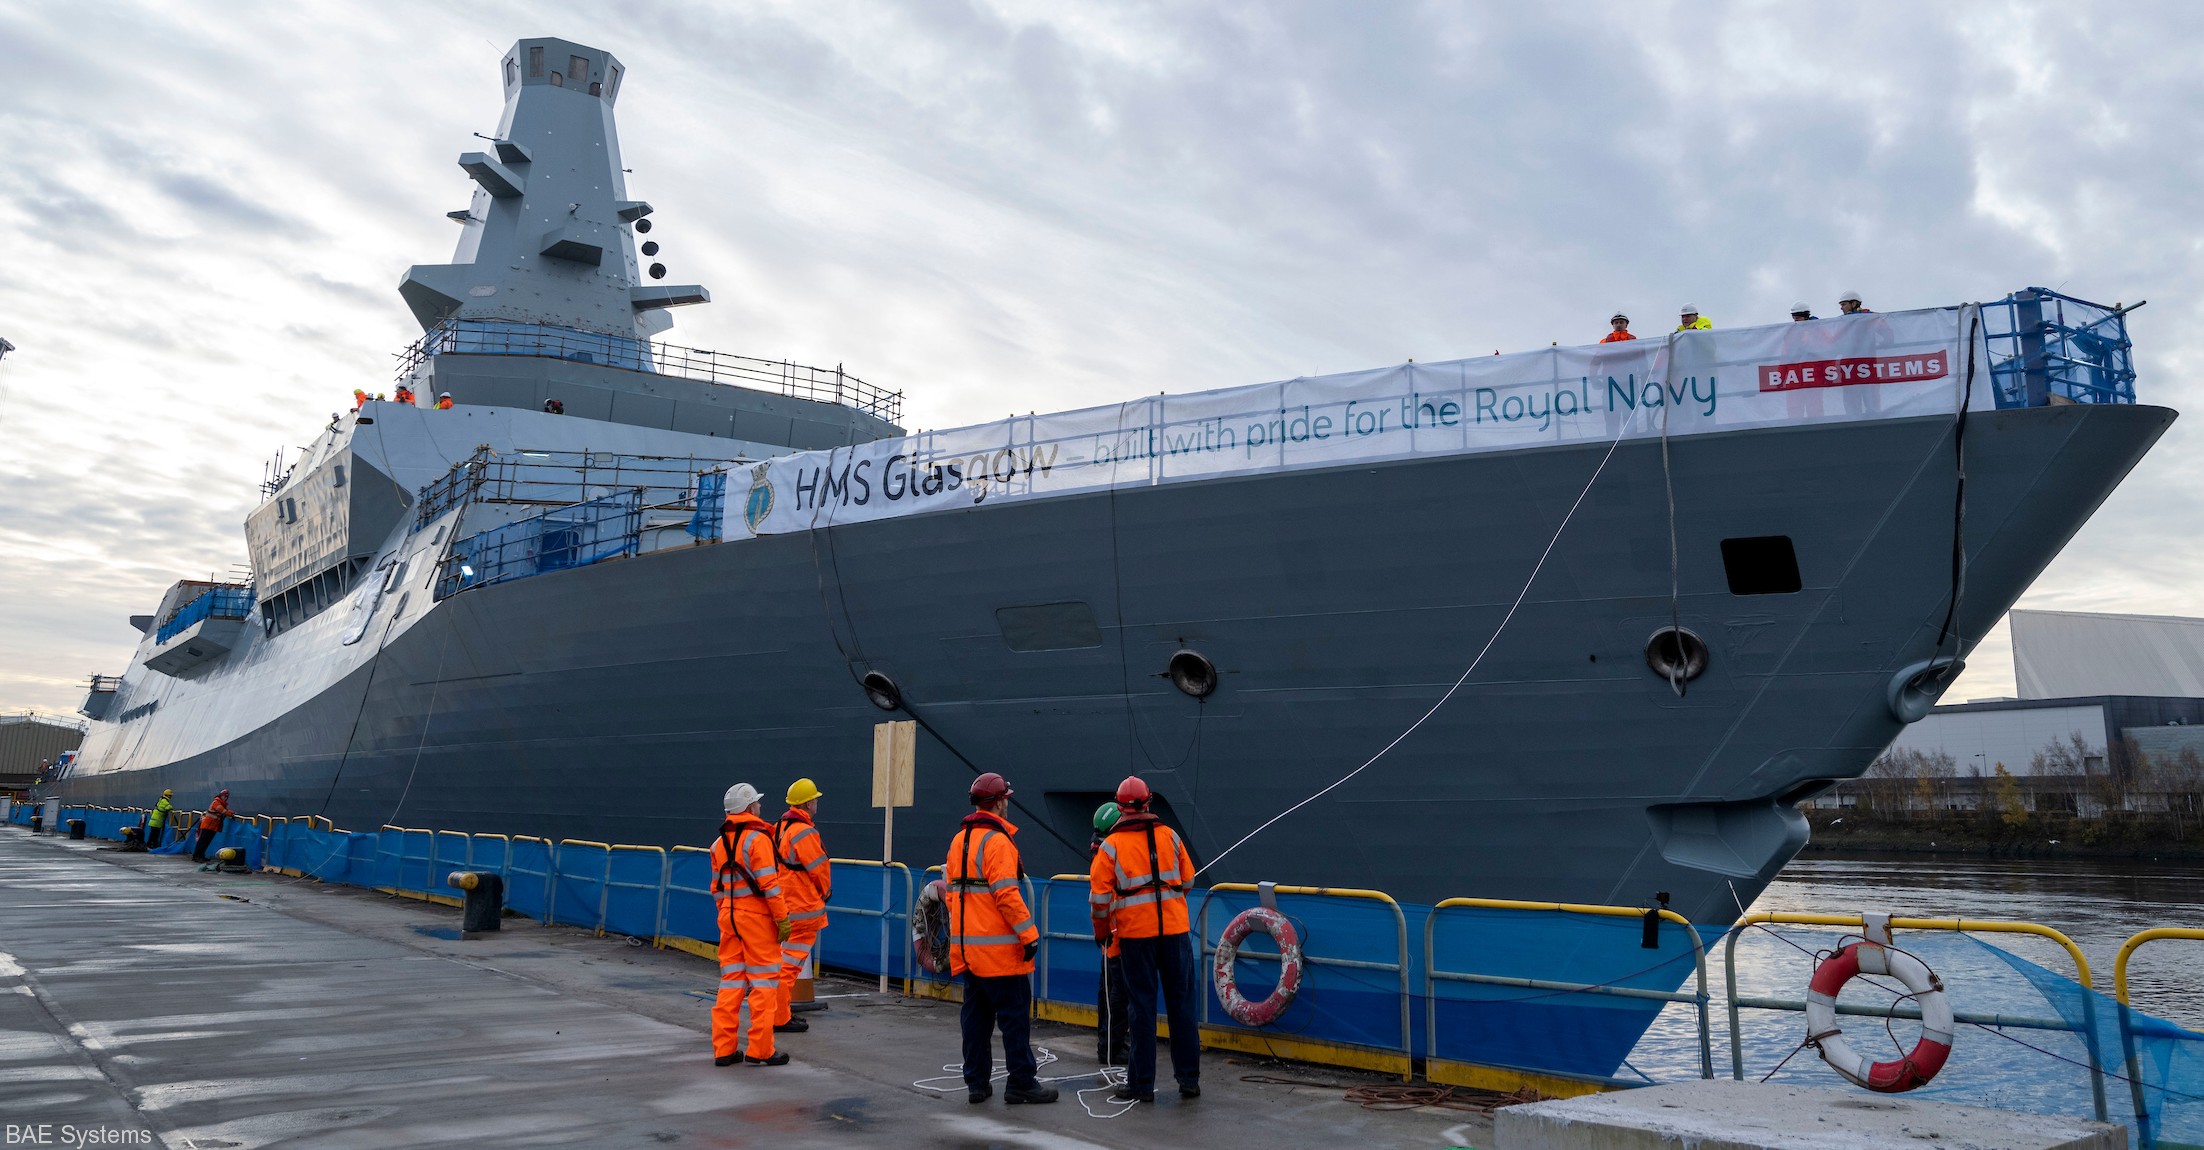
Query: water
x=2098, y=904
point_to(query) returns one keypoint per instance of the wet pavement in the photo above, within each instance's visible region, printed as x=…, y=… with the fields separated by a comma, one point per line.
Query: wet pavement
x=145, y=1003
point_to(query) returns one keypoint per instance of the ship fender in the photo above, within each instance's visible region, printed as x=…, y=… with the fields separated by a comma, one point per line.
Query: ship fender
x=930, y=928
x=1927, y=1056
x=1250, y=921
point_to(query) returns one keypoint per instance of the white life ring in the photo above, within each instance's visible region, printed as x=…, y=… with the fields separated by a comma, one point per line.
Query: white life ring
x=1928, y=1055
x=1270, y=922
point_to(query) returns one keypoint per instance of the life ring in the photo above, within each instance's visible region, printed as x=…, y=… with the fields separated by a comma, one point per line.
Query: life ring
x=1928, y=1055
x=1245, y=923
x=930, y=928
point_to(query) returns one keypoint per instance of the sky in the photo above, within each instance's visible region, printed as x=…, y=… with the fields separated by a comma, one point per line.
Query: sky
x=205, y=210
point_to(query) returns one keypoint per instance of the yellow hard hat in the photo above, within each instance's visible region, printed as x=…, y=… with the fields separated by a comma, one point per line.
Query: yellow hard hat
x=168, y=794
x=802, y=791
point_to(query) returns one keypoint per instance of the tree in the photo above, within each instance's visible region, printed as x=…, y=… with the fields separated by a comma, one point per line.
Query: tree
x=2005, y=797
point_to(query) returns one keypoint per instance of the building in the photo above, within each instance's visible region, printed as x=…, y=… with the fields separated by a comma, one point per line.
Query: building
x=29, y=739
x=2110, y=717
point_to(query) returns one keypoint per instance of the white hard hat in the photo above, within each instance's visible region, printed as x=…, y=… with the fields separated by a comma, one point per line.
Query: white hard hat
x=741, y=797
x=1802, y=308
x=1691, y=309
x=443, y=395
x=1849, y=297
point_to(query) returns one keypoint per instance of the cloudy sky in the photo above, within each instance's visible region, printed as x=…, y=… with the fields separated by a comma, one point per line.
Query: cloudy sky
x=205, y=210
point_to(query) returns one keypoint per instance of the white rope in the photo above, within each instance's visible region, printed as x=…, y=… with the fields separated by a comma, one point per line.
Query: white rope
x=1473, y=663
x=1112, y=1078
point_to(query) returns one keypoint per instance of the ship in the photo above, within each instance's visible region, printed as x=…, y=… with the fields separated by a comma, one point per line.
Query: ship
x=1577, y=624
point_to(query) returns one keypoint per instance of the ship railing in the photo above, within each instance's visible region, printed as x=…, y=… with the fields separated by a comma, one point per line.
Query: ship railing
x=1438, y=1067
x=552, y=479
x=577, y=535
x=2130, y=1050
x=2047, y=348
x=105, y=684
x=218, y=601
x=1860, y=924
x=492, y=337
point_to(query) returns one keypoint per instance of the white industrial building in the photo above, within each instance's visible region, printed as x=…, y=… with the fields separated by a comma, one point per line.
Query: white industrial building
x=2110, y=715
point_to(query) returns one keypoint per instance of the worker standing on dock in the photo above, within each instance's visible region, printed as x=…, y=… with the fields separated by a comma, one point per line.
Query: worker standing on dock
x=753, y=920
x=1111, y=993
x=992, y=941
x=1137, y=888
x=808, y=882
x=156, y=824
x=210, y=823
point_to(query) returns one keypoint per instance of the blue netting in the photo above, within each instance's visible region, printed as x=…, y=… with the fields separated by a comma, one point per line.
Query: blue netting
x=578, y=887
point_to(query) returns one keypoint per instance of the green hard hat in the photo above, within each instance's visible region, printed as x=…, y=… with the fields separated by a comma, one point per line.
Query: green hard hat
x=1105, y=817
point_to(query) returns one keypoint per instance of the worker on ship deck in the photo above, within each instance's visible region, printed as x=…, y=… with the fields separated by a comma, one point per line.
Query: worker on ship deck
x=1137, y=887
x=1851, y=305
x=992, y=941
x=1621, y=324
x=1112, y=995
x=156, y=822
x=405, y=394
x=807, y=881
x=1802, y=311
x=210, y=824
x=443, y=401
x=1692, y=320
x=753, y=922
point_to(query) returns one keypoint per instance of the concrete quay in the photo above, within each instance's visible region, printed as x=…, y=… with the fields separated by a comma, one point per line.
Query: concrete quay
x=1726, y=1115
x=145, y=1003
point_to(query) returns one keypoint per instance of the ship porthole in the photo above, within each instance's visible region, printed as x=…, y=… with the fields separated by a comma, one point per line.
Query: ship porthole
x=882, y=691
x=1676, y=654
x=1193, y=673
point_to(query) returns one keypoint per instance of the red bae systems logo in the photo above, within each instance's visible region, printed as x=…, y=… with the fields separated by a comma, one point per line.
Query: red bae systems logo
x=1847, y=372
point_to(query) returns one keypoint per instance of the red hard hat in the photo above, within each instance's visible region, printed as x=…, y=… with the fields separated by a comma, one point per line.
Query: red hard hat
x=1132, y=794
x=989, y=787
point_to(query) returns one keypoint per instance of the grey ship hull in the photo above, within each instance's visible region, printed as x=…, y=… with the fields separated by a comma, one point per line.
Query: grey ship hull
x=617, y=701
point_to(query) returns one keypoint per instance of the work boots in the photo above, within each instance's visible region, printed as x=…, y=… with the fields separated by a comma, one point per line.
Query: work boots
x=1037, y=1093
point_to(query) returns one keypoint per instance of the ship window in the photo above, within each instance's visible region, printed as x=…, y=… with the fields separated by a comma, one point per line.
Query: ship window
x=612, y=86
x=512, y=71
x=535, y=62
x=1761, y=565
x=558, y=81
x=1049, y=627
x=577, y=69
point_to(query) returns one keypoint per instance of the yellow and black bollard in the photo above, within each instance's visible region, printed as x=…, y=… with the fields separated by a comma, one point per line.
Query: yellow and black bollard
x=483, y=905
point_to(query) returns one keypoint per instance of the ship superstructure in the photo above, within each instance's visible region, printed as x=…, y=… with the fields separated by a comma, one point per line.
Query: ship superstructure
x=1635, y=604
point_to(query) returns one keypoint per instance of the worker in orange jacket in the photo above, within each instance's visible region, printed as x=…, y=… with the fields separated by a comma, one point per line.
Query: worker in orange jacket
x=992, y=941
x=753, y=920
x=1137, y=893
x=807, y=881
x=210, y=823
x=1621, y=325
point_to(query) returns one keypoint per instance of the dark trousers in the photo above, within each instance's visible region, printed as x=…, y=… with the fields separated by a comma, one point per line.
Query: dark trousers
x=153, y=836
x=1004, y=1004
x=1166, y=962
x=199, y=852
x=1111, y=1005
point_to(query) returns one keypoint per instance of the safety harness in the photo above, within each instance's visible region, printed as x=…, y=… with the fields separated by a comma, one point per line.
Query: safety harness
x=973, y=878
x=785, y=861
x=1155, y=881
x=730, y=844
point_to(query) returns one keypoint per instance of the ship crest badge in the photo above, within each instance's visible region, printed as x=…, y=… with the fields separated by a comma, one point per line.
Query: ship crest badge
x=760, y=502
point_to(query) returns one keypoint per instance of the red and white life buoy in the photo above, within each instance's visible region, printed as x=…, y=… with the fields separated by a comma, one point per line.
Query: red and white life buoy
x=1245, y=923
x=930, y=928
x=1928, y=1055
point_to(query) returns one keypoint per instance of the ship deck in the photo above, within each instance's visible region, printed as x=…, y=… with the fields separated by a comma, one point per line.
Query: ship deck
x=138, y=994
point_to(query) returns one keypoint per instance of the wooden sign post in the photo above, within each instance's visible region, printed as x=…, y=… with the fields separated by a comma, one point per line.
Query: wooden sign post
x=894, y=755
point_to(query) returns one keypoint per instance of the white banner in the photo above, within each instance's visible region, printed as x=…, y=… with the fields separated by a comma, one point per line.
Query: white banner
x=1849, y=368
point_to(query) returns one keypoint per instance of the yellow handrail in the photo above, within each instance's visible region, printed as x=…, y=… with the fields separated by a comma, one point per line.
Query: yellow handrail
x=585, y=843
x=2128, y=949
x=1400, y=922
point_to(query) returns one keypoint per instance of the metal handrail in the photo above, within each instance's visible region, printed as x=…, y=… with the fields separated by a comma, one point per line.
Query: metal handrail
x=1432, y=974
x=477, y=337
x=1956, y=925
x=2131, y=1056
x=1400, y=922
x=910, y=896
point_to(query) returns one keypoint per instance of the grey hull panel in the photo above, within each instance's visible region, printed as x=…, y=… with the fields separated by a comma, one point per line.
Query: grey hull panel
x=616, y=702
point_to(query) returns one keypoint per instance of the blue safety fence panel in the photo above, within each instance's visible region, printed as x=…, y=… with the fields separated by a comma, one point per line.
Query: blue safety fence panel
x=851, y=940
x=389, y=844
x=489, y=853
x=417, y=861
x=1068, y=967
x=1558, y=1031
x=528, y=877
x=689, y=909
x=1335, y=1004
x=579, y=885
x=635, y=891
x=450, y=854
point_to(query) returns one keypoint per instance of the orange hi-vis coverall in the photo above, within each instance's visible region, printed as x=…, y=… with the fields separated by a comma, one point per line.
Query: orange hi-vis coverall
x=807, y=880
x=1139, y=896
x=989, y=922
x=746, y=885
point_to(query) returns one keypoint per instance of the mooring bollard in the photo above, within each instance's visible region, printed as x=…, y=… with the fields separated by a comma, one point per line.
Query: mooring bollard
x=230, y=860
x=38, y=823
x=76, y=828
x=483, y=906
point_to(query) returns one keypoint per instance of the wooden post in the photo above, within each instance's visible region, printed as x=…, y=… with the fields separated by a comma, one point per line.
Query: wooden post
x=894, y=755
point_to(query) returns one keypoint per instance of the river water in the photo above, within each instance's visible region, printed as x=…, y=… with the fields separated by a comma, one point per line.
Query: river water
x=2098, y=904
